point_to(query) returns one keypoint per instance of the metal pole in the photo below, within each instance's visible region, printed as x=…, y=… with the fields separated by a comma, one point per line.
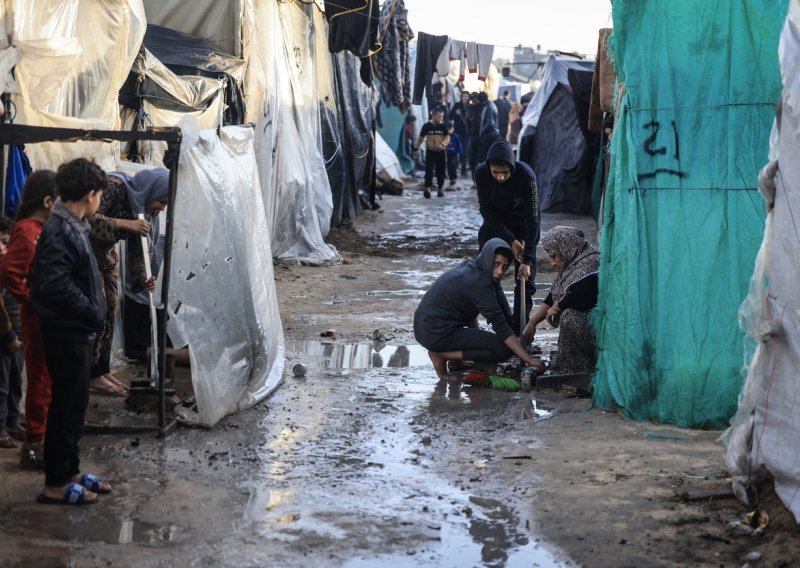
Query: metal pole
x=173, y=148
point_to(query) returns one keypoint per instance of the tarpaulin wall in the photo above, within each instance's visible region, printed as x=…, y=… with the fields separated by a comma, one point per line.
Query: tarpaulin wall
x=682, y=218
x=356, y=119
x=763, y=437
x=223, y=298
x=282, y=97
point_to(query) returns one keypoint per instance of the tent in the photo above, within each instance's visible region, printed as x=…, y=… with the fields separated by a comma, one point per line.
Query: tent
x=555, y=141
x=682, y=219
x=386, y=160
x=763, y=435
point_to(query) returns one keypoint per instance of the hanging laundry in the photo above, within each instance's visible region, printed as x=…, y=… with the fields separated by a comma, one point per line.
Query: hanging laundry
x=352, y=26
x=391, y=62
x=456, y=49
x=17, y=171
x=472, y=56
x=443, y=62
x=485, y=54
x=429, y=47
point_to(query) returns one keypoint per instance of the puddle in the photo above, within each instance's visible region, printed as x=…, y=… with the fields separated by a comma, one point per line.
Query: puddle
x=395, y=293
x=532, y=410
x=361, y=356
x=492, y=534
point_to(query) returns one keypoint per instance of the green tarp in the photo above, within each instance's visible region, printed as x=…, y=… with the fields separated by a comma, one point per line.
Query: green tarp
x=682, y=219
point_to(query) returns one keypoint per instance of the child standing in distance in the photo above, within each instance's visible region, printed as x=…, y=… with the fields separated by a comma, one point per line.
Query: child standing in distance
x=10, y=357
x=434, y=132
x=67, y=296
x=16, y=268
x=455, y=152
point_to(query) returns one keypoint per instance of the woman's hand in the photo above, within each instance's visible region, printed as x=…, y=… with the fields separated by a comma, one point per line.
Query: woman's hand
x=149, y=284
x=552, y=314
x=15, y=345
x=138, y=226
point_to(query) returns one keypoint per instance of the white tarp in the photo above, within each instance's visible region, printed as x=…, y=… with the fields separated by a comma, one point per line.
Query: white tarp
x=555, y=71
x=764, y=432
x=74, y=57
x=222, y=293
x=385, y=159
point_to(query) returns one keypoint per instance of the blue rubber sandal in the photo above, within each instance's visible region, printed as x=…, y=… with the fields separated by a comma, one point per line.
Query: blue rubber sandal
x=94, y=484
x=75, y=494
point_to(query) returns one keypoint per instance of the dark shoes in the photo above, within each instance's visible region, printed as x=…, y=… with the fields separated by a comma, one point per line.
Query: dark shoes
x=440, y=193
x=31, y=456
x=427, y=193
x=17, y=432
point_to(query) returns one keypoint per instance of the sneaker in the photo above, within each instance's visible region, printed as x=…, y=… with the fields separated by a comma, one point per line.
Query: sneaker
x=427, y=193
x=31, y=456
x=6, y=441
x=452, y=183
x=440, y=193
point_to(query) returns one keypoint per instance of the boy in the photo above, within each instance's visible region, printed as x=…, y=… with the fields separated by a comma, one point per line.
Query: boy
x=10, y=357
x=66, y=295
x=446, y=324
x=436, y=140
x=455, y=150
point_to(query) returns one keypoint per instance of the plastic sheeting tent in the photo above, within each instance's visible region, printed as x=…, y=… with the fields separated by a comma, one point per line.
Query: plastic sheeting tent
x=763, y=437
x=74, y=57
x=555, y=141
x=283, y=89
x=682, y=220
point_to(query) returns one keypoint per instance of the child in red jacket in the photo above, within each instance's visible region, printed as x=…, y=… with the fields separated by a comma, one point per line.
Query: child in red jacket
x=16, y=267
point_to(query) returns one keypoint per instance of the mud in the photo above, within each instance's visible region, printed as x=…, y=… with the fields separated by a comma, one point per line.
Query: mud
x=368, y=460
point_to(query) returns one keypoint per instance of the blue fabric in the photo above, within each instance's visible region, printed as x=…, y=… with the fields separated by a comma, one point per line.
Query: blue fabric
x=19, y=168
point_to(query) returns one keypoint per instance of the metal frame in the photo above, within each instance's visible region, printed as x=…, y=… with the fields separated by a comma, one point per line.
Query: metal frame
x=24, y=134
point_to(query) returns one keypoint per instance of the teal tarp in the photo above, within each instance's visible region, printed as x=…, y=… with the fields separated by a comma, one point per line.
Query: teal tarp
x=682, y=218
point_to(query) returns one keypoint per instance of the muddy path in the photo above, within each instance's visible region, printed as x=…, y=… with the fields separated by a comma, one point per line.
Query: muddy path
x=367, y=460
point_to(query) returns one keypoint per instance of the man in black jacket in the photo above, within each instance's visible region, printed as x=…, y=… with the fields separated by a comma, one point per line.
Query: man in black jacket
x=446, y=320
x=509, y=204
x=66, y=295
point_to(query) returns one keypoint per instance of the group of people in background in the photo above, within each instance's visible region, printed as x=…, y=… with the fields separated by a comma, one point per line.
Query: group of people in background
x=457, y=138
x=59, y=265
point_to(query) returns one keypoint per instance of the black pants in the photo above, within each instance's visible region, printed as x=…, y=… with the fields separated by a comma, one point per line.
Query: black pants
x=435, y=160
x=452, y=166
x=476, y=344
x=474, y=152
x=486, y=143
x=10, y=385
x=464, y=157
x=69, y=361
x=484, y=234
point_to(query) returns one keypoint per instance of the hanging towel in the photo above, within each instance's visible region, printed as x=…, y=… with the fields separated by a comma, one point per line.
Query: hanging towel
x=18, y=170
x=443, y=63
x=429, y=47
x=485, y=54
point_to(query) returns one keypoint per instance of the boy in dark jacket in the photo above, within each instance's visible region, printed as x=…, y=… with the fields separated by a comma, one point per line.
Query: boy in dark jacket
x=446, y=320
x=455, y=151
x=66, y=295
x=509, y=204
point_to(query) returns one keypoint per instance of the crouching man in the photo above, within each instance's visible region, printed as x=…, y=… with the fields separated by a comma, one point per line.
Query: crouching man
x=446, y=320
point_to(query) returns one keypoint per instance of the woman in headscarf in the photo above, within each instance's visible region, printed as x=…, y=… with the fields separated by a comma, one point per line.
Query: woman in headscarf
x=117, y=219
x=572, y=297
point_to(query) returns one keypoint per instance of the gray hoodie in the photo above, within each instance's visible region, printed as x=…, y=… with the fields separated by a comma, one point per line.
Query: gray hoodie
x=457, y=297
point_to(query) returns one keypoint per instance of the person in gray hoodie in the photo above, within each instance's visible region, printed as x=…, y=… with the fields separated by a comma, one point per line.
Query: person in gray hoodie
x=446, y=320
